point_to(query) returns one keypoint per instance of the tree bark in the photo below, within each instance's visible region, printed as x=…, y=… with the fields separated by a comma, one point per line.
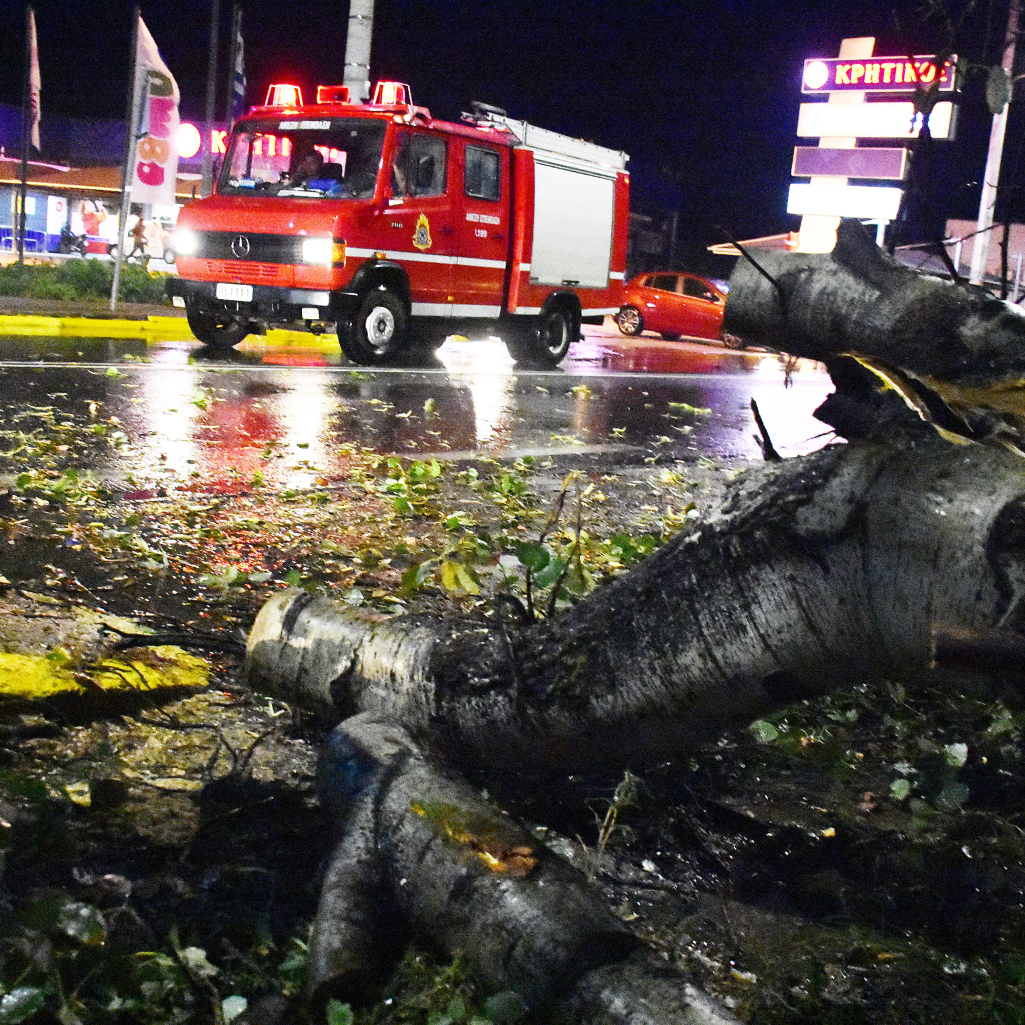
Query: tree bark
x=421, y=847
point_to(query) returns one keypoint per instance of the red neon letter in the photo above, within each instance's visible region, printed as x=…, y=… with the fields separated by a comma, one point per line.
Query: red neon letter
x=842, y=74
x=217, y=140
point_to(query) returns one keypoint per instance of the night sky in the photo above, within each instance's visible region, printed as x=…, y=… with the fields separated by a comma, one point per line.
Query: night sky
x=703, y=95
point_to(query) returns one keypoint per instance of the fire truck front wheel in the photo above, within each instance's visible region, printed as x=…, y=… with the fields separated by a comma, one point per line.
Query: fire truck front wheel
x=378, y=331
x=216, y=329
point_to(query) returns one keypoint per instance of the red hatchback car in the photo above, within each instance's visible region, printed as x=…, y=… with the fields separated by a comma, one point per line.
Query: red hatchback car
x=673, y=304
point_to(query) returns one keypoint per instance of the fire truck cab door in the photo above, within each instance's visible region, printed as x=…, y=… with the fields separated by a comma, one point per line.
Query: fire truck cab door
x=418, y=229
x=482, y=230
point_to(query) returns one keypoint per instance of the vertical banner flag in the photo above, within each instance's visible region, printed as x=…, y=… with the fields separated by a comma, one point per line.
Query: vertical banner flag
x=238, y=75
x=156, y=129
x=34, y=81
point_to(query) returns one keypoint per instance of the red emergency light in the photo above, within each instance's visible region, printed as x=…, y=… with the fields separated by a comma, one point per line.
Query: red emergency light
x=333, y=94
x=284, y=96
x=391, y=94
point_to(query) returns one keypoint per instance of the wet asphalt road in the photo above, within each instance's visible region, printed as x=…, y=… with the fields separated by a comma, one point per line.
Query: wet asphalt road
x=189, y=411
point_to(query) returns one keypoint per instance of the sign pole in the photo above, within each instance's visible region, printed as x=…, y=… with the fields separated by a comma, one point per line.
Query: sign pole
x=26, y=102
x=128, y=170
x=817, y=233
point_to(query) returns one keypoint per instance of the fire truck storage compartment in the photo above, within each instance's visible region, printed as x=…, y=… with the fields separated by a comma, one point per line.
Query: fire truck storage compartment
x=573, y=219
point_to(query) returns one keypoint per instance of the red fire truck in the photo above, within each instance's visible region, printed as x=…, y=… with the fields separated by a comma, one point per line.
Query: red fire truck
x=400, y=230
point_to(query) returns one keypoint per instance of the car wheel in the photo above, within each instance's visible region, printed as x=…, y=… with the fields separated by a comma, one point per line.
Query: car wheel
x=217, y=329
x=378, y=331
x=629, y=320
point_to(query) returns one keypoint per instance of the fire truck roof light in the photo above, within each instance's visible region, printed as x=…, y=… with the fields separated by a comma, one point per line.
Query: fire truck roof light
x=284, y=96
x=333, y=94
x=391, y=94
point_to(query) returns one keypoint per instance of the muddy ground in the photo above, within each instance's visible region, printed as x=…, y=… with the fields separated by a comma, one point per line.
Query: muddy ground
x=857, y=859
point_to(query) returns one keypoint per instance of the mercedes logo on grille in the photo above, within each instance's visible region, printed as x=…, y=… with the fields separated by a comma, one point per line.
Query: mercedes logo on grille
x=240, y=247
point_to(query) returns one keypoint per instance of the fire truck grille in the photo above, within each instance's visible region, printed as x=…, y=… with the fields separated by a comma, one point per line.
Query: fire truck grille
x=249, y=247
x=255, y=273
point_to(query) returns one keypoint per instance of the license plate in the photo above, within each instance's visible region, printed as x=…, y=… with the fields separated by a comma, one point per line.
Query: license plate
x=236, y=293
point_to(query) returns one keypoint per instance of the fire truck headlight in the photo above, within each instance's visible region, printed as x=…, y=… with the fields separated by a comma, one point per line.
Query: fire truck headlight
x=318, y=250
x=184, y=242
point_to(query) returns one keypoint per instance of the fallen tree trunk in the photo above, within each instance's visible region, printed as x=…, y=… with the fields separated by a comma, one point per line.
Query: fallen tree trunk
x=815, y=574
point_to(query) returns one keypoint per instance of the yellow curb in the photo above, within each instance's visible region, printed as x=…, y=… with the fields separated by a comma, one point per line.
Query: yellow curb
x=153, y=329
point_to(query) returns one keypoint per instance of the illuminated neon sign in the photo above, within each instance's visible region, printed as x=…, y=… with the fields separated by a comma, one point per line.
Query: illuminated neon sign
x=878, y=75
x=897, y=120
x=189, y=140
x=867, y=202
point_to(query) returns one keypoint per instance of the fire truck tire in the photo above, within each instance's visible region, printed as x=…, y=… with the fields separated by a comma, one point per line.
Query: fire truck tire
x=629, y=320
x=218, y=330
x=378, y=331
x=547, y=341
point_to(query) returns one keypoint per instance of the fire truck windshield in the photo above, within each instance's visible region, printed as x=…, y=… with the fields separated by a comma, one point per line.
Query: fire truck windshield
x=336, y=157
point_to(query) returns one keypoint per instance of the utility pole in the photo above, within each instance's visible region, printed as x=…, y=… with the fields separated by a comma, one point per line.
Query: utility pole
x=988, y=200
x=357, y=49
x=211, y=89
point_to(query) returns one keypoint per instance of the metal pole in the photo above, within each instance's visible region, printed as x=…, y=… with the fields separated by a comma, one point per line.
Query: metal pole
x=988, y=199
x=357, y=49
x=25, y=104
x=211, y=90
x=236, y=14
x=127, y=171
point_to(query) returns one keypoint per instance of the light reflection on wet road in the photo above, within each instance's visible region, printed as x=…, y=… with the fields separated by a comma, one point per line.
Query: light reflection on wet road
x=286, y=412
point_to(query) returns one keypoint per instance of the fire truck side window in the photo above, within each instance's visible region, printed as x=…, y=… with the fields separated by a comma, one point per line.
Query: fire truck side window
x=482, y=177
x=419, y=168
